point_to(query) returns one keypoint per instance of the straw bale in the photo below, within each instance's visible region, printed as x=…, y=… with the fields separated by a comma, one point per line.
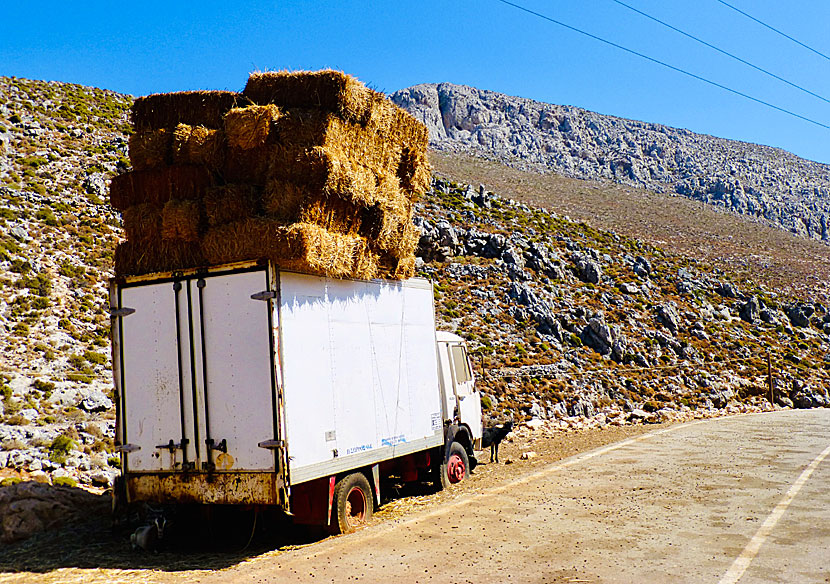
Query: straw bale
x=328, y=90
x=150, y=148
x=198, y=145
x=332, y=214
x=159, y=185
x=297, y=247
x=396, y=268
x=135, y=258
x=392, y=233
x=228, y=203
x=248, y=127
x=414, y=173
x=247, y=166
x=194, y=108
x=328, y=174
x=283, y=199
x=142, y=223
x=181, y=220
x=300, y=128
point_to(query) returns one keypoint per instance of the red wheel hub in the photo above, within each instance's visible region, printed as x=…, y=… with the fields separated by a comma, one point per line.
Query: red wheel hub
x=456, y=470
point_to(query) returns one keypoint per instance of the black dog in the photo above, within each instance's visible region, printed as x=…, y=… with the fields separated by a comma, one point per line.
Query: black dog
x=493, y=436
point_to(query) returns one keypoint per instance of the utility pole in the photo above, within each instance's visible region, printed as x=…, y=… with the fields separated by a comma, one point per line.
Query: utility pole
x=769, y=378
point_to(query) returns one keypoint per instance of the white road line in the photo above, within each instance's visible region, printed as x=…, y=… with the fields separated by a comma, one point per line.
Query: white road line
x=741, y=563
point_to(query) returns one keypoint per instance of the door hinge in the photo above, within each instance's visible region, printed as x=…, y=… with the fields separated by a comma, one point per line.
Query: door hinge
x=264, y=295
x=116, y=312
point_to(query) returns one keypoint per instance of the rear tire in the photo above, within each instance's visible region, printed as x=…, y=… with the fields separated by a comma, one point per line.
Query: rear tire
x=352, y=505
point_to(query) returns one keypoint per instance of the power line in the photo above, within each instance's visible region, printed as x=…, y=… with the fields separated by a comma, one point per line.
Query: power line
x=783, y=34
x=672, y=67
x=728, y=54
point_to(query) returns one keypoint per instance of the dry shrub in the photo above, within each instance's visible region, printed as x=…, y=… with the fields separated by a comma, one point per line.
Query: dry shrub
x=136, y=258
x=328, y=90
x=228, y=203
x=194, y=108
x=250, y=126
x=159, y=185
x=142, y=223
x=180, y=220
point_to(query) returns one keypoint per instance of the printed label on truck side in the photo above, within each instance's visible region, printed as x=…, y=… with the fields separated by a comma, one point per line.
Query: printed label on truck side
x=361, y=448
x=436, y=422
x=392, y=440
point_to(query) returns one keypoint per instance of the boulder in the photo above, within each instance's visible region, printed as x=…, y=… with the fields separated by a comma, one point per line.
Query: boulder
x=751, y=310
x=30, y=507
x=667, y=315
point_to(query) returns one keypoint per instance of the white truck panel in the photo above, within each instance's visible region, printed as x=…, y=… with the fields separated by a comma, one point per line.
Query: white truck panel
x=151, y=377
x=351, y=349
x=239, y=370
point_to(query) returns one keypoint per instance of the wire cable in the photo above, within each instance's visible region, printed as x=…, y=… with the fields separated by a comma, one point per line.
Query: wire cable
x=664, y=64
x=723, y=52
x=783, y=34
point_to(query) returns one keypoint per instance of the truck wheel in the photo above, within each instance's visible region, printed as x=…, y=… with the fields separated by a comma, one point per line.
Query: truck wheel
x=352, y=503
x=457, y=466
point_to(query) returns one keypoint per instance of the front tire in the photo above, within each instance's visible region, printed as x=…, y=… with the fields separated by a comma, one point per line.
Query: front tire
x=456, y=467
x=353, y=504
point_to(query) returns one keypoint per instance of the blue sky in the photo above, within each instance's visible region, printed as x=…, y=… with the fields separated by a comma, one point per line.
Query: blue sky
x=149, y=47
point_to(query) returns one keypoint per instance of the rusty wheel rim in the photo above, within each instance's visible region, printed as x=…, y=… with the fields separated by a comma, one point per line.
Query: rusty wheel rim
x=456, y=469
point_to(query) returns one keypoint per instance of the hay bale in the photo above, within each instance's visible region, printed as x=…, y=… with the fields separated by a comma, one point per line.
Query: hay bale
x=396, y=268
x=329, y=174
x=332, y=214
x=414, y=173
x=229, y=203
x=283, y=199
x=142, y=223
x=198, y=145
x=309, y=128
x=150, y=148
x=390, y=229
x=136, y=258
x=247, y=166
x=248, y=127
x=194, y=108
x=297, y=247
x=159, y=185
x=181, y=220
x=328, y=90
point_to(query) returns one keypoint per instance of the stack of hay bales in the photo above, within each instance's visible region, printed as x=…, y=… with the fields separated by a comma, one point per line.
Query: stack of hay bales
x=312, y=170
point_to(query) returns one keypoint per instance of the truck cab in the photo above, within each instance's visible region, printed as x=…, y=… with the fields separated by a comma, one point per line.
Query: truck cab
x=462, y=401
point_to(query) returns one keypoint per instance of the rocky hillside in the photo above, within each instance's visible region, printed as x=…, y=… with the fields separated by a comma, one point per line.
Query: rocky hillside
x=756, y=181
x=59, y=145
x=571, y=325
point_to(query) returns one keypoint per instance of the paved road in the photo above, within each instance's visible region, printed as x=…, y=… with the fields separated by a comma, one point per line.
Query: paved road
x=734, y=499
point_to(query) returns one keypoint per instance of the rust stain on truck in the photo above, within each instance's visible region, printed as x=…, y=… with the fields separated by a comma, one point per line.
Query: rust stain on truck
x=222, y=488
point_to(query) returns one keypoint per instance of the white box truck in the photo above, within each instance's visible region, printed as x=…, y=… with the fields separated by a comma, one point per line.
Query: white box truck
x=247, y=385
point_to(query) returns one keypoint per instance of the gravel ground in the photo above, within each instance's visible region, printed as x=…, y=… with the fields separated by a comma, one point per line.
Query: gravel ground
x=93, y=552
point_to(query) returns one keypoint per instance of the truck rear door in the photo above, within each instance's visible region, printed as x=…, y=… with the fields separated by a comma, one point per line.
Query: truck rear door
x=195, y=362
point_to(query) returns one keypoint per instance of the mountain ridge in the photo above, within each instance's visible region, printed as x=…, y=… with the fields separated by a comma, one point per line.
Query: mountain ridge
x=759, y=181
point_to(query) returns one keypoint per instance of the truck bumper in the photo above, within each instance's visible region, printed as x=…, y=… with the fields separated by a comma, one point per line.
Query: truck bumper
x=220, y=488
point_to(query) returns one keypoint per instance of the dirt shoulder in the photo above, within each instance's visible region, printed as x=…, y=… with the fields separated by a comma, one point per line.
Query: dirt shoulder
x=90, y=551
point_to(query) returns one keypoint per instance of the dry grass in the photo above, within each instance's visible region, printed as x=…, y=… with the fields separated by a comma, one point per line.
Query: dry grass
x=753, y=251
